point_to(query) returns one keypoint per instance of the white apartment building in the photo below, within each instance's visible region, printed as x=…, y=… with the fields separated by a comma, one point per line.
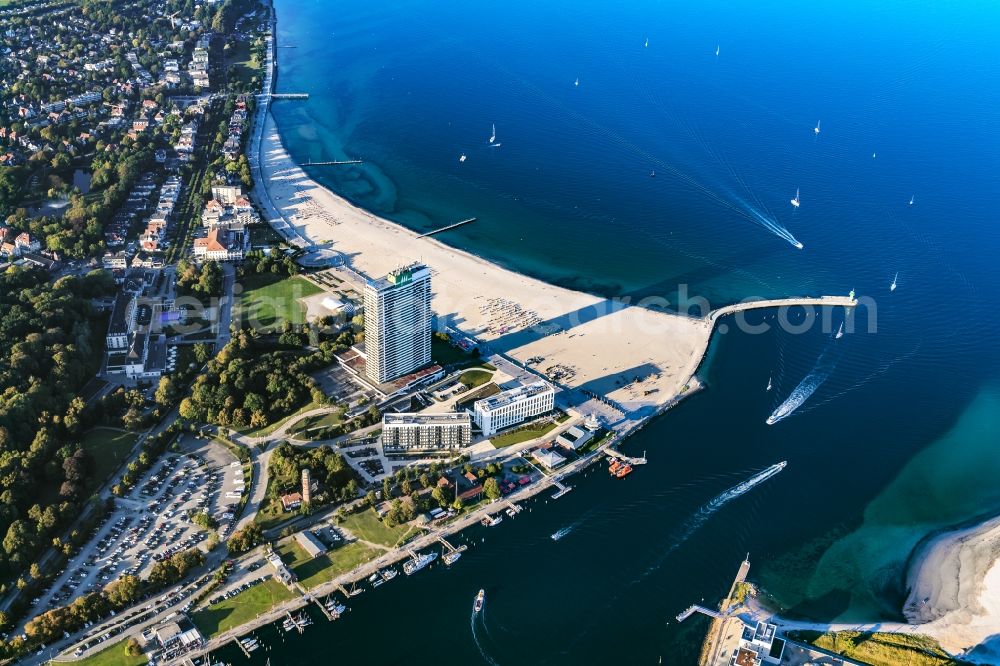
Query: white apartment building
x=513, y=406
x=398, y=323
x=426, y=432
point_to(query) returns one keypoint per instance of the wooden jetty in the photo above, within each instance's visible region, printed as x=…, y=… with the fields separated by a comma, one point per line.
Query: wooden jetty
x=332, y=162
x=322, y=607
x=563, y=489
x=289, y=95
x=446, y=228
x=295, y=622
x=241, y=646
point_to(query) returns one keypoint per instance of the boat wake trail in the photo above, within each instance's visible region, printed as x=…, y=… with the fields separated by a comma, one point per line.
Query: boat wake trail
x=700, y=517
x=475, y=637
x=819, y=374
x=561, y=532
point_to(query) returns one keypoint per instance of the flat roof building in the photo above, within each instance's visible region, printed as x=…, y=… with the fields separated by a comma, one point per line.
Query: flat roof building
x=398, y=323
x=426, y=432
x=513, y=406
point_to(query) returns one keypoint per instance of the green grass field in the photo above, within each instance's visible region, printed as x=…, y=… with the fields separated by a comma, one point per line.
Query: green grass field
x=320, y=421
x=368, y=527
x=268, y=300
x=112, y=656
x=242, y=608
x=522, y=434
x=108, y=448
x=881, y=649
x=316, y=571
x=475, y=377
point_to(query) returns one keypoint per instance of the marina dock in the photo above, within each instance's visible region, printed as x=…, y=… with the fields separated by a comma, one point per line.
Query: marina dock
x=446, y=228
x=562, y=489
x=289, y=95
x=288, y=614
x=242, y=647
x=322, y=607
x=614, y=453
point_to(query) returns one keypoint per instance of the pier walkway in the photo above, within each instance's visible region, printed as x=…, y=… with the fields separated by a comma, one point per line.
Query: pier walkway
x=833, y=301
x=695, y=608
x=332, y=162
x=446, y=228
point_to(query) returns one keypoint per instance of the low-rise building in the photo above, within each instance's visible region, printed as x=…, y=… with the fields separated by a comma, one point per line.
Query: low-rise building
x=222, y=244
x=426, y=432
x=309, y=543
x=549, y=458
x=513, y=406
x=291, y=501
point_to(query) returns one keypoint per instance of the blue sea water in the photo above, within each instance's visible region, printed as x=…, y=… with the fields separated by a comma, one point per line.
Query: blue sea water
x=568, y=196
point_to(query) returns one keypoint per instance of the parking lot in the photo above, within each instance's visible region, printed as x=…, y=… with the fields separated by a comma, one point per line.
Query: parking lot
x=153, y=521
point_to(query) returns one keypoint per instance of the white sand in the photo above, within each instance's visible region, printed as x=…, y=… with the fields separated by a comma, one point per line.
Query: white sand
x=958, y=574
x=603, y=347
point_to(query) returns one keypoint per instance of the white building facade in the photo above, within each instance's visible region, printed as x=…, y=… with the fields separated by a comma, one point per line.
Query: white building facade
x=426, y=432
x=398, y=323
x=513, y=406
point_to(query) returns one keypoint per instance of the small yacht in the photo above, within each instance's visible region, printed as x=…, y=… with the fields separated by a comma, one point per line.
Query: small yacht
x=462, y=158
x=840, y=331
x=647, y=42
x=873, y=155
x=769, y=385
x=716, y=51
x=912, y=199
x=816, y=129
x=577, y=82
x=652, y=174
x=480, y=600
x=795, y=201
x=493, y=137
x=892, y=287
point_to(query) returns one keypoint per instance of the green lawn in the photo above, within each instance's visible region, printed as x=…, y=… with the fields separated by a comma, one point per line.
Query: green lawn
x=368, y=527
x=238, y=56
x=881, y=649
x=522, y=434
x=268, y=300
x=316, y=571
x=108, y=448
x=112, y=656
x=320, y=421
x=242, y=608
x=475, y=377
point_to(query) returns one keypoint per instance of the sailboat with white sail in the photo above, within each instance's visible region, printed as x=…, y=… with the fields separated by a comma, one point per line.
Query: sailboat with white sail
x=816, y=129
x=892, y=287
x=795, y=201
x=493, y=137
x=912, y=199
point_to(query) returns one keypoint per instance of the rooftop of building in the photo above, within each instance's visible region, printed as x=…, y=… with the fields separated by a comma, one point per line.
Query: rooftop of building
x=509, y=396
x=400, y=276
x=409, y=418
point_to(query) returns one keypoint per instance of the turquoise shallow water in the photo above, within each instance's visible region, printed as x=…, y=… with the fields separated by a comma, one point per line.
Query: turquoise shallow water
x=896, y=440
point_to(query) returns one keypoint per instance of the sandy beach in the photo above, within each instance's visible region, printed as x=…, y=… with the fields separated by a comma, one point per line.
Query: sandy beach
x=639, y=358
x=954, y=583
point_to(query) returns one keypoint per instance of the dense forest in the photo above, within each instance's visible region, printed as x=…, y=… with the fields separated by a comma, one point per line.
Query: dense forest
x=49, y=353
x=251, y=384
